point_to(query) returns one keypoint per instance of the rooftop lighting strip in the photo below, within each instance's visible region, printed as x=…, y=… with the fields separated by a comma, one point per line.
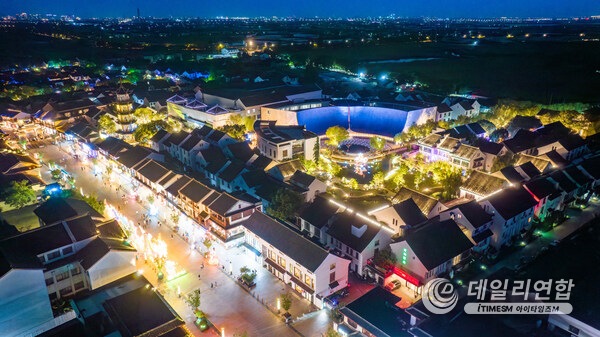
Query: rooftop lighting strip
x=371, y=221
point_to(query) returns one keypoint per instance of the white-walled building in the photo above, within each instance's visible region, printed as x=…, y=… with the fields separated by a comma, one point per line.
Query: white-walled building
x=400, y=216
x=429, y=251
x=512, y=211
x=357, y=238
x=281, y=142
x=311, y=270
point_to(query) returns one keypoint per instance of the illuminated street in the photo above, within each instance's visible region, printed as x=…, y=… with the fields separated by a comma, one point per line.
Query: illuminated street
x=227, y=305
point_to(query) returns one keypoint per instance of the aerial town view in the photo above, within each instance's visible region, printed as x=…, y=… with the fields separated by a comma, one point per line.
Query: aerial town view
x=315, y=169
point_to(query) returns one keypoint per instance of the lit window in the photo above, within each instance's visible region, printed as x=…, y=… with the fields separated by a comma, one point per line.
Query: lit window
x=332, y=266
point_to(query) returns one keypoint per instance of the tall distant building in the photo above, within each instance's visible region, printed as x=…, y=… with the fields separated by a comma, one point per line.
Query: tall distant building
x=123, y=110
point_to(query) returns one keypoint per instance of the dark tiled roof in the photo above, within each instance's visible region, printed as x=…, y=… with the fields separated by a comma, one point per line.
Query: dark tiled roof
x=192, y=141
x=563, y=181
x=447, y=238
x=232, y=171
x=476, y=128
x=55, y=209
x=430, y=140
x=160, y=134
x=134, y=155
x=195, y=191
x=176, y=138
x=572, y=142
x=204, y=131
x=153, y=171
x=425, y=203
x=530, y=170
x=319, y=212
x=409, y=212
x=241, y=151
x=288, y=168
x=511, y=174
x=167, y=178
x=540, y=164
x=215, y=159
x=592, y=167
x=352, y=231
x=113, y=145
x=579, y=177
x=222, y=204
x=261, y=162
x=286, y=240
x=255, y=178
x=376, y=311
x=216, y=135
x=140, y=312
x=482, y=183
x=302, y=179
x=82, y=227
x=474, y=213
x=541, y=187
x=490, y=147
x=511, y=202
x=174, y=188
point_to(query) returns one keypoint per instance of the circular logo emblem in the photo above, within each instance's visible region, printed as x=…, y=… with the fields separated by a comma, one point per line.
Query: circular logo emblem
x=439, y=296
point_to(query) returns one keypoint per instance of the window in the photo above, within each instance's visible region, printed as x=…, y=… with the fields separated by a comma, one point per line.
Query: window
x=332, y=277
x=332, y=266
x=285, y=153
x=52, y=296
x=297, y=273
x=308, y=280
x=62, y=276
x=53, y=255
x=376, y=243
x=78, y=285
x=49, y=281
x=65, y=291
x=75, y=271
x=67, y=250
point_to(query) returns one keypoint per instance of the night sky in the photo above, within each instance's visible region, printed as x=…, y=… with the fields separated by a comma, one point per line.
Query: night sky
x=306, y=8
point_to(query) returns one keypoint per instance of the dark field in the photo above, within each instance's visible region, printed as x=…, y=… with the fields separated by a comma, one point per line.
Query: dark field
x=541, y=71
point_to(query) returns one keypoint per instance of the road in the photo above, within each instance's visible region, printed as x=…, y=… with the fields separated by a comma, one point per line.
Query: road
x=227, y=305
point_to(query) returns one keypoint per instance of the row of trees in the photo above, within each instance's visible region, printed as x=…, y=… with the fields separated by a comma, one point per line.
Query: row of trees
x=418, y=171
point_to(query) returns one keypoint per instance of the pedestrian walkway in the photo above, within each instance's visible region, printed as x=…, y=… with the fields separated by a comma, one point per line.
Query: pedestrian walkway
x=227, y=305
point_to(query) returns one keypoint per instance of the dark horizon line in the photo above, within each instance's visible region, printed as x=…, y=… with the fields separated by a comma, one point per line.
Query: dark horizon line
x=233, y=17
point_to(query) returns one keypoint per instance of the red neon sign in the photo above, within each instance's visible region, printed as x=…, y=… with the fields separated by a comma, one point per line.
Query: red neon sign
x=403, y=275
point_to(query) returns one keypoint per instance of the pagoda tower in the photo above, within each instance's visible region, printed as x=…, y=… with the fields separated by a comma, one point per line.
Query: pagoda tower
x=123, y=110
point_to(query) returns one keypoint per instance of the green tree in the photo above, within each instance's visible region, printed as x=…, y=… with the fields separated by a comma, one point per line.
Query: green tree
x=107, y=125
x=384, y=258
x=56, y=174
x=353, y=184
x=236, y=131
x=96, y=204
x=450, y=185
x=317, y=152
x=145, y=131
x=377, y=143
x=504, y=161
x=175, y=218
x=240, y=334
x=336, y=135
x=286, y=301
x=285, y=204
x=194, y=299
x=378, y=178
x=249, y=123
x=236, y=119
x=332, y=333
x=146, y=115
x=19, y=194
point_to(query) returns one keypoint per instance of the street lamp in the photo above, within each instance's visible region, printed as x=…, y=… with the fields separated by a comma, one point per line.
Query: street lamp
x=222, y=332
x=278, y=304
